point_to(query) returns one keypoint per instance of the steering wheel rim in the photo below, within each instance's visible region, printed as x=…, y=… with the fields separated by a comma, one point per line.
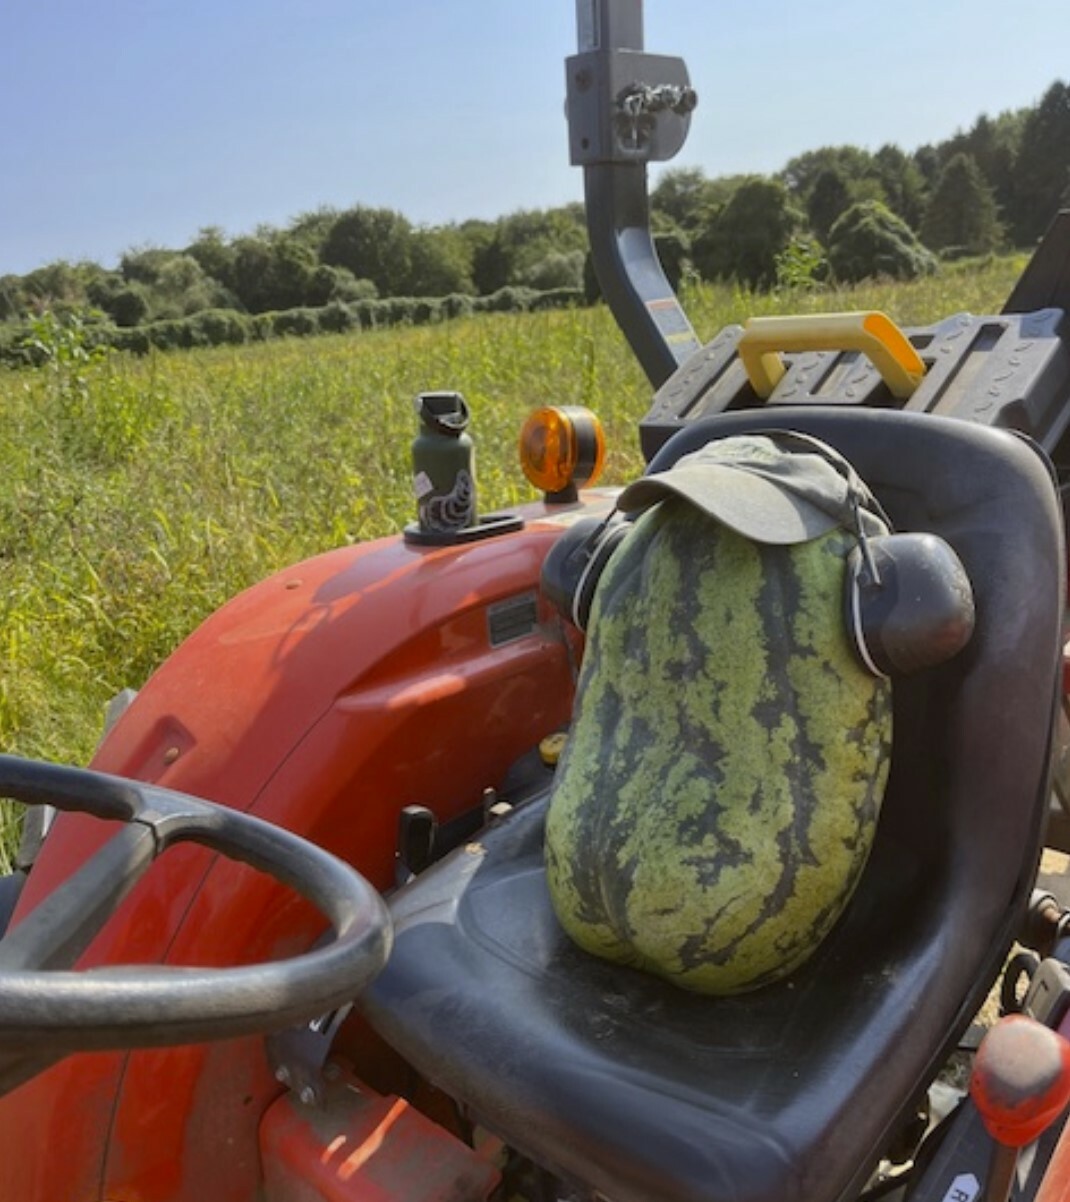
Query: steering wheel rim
x=48, y=1010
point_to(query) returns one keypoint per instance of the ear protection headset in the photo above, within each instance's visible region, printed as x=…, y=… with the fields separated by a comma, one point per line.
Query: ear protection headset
x=574, y=564
x=908, y=603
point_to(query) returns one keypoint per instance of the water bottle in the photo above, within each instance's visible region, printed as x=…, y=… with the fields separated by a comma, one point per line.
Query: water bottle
x=442, y=464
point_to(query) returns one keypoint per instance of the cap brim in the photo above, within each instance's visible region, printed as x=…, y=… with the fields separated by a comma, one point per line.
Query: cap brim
x=747, y=503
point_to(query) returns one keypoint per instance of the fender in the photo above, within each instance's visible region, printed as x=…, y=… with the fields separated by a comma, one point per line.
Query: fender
x=324, y=699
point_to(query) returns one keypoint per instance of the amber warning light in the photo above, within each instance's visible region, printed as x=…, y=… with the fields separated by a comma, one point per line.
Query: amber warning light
x=562, y=448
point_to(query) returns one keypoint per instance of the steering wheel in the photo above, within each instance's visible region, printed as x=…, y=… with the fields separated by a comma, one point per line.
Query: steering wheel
x=47, y=1011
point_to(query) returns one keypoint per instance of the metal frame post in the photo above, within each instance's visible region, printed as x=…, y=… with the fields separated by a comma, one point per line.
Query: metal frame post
x=627, y=108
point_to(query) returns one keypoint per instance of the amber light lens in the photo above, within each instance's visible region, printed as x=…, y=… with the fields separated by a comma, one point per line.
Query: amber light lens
x=562, y=446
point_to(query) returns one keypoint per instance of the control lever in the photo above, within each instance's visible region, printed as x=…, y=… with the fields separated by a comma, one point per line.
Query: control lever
x=415, y=850
x=1020, y=1085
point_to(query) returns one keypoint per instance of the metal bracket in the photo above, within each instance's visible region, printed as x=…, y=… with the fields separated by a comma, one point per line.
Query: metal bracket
x=625, y=106
x=298, y=1055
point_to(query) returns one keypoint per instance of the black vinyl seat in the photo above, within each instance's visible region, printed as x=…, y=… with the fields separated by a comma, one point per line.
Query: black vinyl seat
x=645, y=1092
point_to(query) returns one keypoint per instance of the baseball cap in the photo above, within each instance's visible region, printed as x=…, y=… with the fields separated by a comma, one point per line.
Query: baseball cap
x=776, y=487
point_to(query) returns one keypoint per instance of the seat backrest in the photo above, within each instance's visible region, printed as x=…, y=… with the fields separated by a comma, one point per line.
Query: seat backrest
x=969, y=782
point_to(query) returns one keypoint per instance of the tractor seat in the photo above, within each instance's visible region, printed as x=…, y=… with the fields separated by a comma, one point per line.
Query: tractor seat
x=641, y=1091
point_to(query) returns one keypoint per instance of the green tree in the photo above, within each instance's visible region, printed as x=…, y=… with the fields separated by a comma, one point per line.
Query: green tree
x=870, y=240
x=995, y=145
x=61, y=285
x=183, y=287
x=1043, y=164
x=313, y=228
x=523, y=239
x=127, y=304
x=685, y=199
x=144, y=264
x=272, y=273
x=829, y=198
x=962, y=213
x=802, y=172
x=440, y=263
x=902, y=183
x=250, y=272
x=746, y=237
x=12, y=304
x=484, y=254
x=214, y=253
x=927, y=160
x=375, y=244
x=683, y=196
x=685, y=202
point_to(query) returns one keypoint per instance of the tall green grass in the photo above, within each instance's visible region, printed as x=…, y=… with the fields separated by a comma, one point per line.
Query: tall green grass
x=137, y=495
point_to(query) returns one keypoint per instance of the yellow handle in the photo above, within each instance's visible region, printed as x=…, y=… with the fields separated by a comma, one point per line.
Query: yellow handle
x=874, y=334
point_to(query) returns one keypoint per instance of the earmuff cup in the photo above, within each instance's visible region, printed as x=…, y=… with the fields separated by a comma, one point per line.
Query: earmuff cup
x=574, y=564
x=917, y=612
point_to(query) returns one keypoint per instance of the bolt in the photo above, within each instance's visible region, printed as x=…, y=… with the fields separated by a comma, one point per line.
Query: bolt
x=307, y=1095
x=282, y=1075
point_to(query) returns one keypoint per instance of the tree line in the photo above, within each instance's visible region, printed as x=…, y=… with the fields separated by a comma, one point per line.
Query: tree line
x=853, y=213
x=838, y=212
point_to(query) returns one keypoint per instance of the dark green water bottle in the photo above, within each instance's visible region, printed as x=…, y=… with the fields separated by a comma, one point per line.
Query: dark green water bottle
x=443, y=471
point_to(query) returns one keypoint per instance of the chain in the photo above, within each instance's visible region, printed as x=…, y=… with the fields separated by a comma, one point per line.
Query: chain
x=639, y=105
x=641, y=99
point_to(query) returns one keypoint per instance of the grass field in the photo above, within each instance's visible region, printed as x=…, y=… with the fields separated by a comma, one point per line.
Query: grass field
x=139, y=494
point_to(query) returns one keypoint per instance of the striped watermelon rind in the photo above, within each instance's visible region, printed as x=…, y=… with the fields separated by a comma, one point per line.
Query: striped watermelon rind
x=718, y=796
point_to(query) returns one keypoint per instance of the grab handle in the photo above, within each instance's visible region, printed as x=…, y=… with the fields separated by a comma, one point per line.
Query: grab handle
x=872, y=333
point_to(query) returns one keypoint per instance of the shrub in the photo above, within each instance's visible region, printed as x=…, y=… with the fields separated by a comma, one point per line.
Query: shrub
x=510, y=299
x=425, y=311
x=336, y=318
x=366, y=313
x=559, y=269
x=135, y=341
x=219, y=327
x=299, y=322
x=457, y=305
x=127, y=304
x=127, y=307
x=801, y=266
x=869, y=240
x=170, y=335
x=262, y=326
x=557, y=298
x=329, y=283
x=15, y=349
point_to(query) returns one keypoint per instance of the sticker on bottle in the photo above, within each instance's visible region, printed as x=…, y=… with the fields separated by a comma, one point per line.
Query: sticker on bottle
x=964, y=1188
x=422, y=486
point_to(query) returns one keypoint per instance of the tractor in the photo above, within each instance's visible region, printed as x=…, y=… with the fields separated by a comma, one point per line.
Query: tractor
x=288, y=938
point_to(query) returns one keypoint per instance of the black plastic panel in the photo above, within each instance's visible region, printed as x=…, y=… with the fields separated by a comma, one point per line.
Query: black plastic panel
x=1011, y=371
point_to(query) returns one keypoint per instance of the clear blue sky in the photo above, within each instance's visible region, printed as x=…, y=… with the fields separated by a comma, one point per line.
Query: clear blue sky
x=135, y=122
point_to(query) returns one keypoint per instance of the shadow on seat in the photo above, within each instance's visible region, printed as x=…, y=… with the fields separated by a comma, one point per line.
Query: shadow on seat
x=645, y=1092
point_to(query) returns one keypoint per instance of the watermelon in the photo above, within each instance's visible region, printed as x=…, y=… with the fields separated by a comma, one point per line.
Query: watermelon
x=718, y=795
